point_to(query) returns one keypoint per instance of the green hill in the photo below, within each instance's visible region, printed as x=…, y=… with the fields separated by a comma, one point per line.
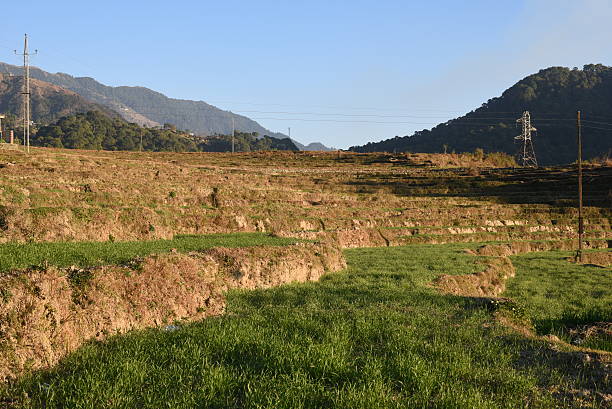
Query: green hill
x=96, y=130
x=552, y=96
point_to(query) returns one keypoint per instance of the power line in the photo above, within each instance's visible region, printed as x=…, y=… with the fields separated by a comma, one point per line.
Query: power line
x=468, y=118
x=341, y=114
x=592, y=127
x=335, y=107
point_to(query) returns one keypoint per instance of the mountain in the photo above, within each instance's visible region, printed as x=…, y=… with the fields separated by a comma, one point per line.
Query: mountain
x=150, y=108
x=552, y=96
x=314, y=146
x=48, y=102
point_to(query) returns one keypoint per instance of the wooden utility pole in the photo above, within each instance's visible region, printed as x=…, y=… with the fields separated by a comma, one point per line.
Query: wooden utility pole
x=580, y=220
x=1, y=133
x=233, y=131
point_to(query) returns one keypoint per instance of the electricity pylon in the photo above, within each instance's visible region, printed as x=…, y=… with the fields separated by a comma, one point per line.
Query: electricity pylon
x=526, y=155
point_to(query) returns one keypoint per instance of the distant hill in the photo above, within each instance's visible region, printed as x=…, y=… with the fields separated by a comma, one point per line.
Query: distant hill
x=314, y=146
x=150, y=108
x=97, y=131
x=48, y=102
x=245, y=142
x=552, y=96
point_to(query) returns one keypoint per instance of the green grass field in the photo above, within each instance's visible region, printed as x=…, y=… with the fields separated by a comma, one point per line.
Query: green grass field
x=89, y=254
x=373, y=336
x=557, y=295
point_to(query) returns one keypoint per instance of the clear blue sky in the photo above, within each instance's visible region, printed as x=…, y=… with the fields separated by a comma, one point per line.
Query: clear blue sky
x=347, y=72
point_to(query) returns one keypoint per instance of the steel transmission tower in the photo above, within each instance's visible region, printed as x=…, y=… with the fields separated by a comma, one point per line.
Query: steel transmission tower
x=26, y=92
x=526, y=155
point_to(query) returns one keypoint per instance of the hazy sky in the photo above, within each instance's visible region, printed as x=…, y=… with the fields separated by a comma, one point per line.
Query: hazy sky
x=339, y=72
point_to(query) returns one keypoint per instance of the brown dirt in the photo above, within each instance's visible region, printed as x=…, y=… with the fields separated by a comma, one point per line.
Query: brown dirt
x=490, y=282
x=49, y=312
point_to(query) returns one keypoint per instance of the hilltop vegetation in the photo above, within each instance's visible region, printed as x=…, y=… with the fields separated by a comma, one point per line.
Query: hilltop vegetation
x=94, y=130
x=552, y=96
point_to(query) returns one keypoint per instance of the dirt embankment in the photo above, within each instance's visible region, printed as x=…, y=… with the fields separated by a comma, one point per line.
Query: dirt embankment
x=360, y=236
x=598, y=258
x=490, y=282
x=519, y=247
x=47, y=313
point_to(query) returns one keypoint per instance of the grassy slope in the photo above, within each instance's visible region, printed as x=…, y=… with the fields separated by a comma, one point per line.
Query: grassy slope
x=373, y=336
x=558, y=295
x=88, y=254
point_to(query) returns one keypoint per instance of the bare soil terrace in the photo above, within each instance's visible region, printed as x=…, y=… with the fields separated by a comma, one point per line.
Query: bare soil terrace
x=357, y=199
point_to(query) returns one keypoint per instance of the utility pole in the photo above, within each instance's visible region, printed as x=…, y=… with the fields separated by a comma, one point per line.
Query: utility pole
x=26, y=92
x=1, y=133
x=233, y=131
x=580, y=219
x=527, y=155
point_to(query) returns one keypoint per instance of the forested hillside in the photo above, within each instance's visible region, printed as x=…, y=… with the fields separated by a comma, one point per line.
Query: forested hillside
x=97, y=131
x=552, y=96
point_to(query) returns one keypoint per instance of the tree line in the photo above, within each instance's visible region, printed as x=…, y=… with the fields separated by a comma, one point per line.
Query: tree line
x=97, y=131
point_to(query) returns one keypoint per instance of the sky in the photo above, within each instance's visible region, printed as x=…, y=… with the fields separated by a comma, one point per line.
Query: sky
x=339, y=72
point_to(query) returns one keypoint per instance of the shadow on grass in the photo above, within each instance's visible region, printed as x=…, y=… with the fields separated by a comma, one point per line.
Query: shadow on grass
x=587, y=372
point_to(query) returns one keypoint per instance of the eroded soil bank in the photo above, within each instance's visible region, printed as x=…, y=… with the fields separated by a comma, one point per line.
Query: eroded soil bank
x=48, y=312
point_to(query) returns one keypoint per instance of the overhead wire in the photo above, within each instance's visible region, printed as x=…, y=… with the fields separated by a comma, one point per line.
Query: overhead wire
x=462, y=121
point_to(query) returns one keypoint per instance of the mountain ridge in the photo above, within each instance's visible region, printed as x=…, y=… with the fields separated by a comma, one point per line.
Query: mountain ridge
x=149, y=107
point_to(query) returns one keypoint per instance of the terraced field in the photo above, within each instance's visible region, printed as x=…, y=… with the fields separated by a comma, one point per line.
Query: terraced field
x=367, y=199
x=100, y=243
